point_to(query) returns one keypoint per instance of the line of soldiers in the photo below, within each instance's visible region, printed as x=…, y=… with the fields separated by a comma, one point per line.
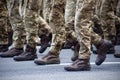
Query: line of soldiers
x=78, y=23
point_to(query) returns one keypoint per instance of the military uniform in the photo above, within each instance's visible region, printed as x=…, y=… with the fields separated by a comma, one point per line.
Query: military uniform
x=17, y=24
x=4, y=26
x=3, y=22
x=69, y=19
x=117, y=10
x=106, y=15
x=47, y=5
x=117, y=13
x=57, y=24
x=108, y=23
x=25, y=18
x=86, y=36
x=32, y=20
x=69, y=25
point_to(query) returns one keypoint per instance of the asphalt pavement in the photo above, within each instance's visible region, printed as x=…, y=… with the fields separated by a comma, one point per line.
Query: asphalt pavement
x=27, y=70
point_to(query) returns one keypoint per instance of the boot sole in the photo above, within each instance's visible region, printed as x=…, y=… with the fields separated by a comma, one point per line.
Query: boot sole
x=8, y=56
x=45, y=63
x=22, y=59
x=73, y=69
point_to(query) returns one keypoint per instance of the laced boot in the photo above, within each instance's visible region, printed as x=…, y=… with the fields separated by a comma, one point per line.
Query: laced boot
x=79, y=65
x=29, y=54
x=102, y=49
x=50, y=58
x=12, y=52
x=45, y=42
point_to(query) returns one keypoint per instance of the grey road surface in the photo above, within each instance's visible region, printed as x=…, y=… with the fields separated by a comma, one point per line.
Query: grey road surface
x=27, y=70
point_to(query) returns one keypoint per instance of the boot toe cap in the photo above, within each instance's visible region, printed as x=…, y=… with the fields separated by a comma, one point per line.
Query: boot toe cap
x=39, y=62
x=100, y=60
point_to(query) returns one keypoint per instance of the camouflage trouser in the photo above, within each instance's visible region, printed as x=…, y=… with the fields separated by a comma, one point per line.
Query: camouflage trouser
x=118, y=15
x=44, y=28
x=43, y=25
x=47, y=5
x=83, y=27
x=118, y=22
x=17, y=23
x=57, y=25
x=108, y=23
x=33, y=22
x=69, y=20
x=25, y=20
x=3, y=23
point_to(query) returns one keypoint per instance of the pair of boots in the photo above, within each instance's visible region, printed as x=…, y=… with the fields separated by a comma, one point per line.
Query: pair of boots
x=78, y=64
x=19, y=54
x=53, y=57
x=84, y=64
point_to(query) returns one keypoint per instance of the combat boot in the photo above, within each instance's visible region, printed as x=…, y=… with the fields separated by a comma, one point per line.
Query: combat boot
x=102, y=49
x=50, y=58
x=28, y=54
x=45, y=42
x=3, y=48
x=79, y=65
x=12, y=52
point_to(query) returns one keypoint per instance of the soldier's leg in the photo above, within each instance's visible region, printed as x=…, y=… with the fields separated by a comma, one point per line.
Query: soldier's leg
x=85, y=35
x=45, y=34
x=108, y=23
x=44, y=29
x=18, y=29
x=31, y=23
x=117, y=28
x=3, y=26
x=69, y=24
x=58, y=33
